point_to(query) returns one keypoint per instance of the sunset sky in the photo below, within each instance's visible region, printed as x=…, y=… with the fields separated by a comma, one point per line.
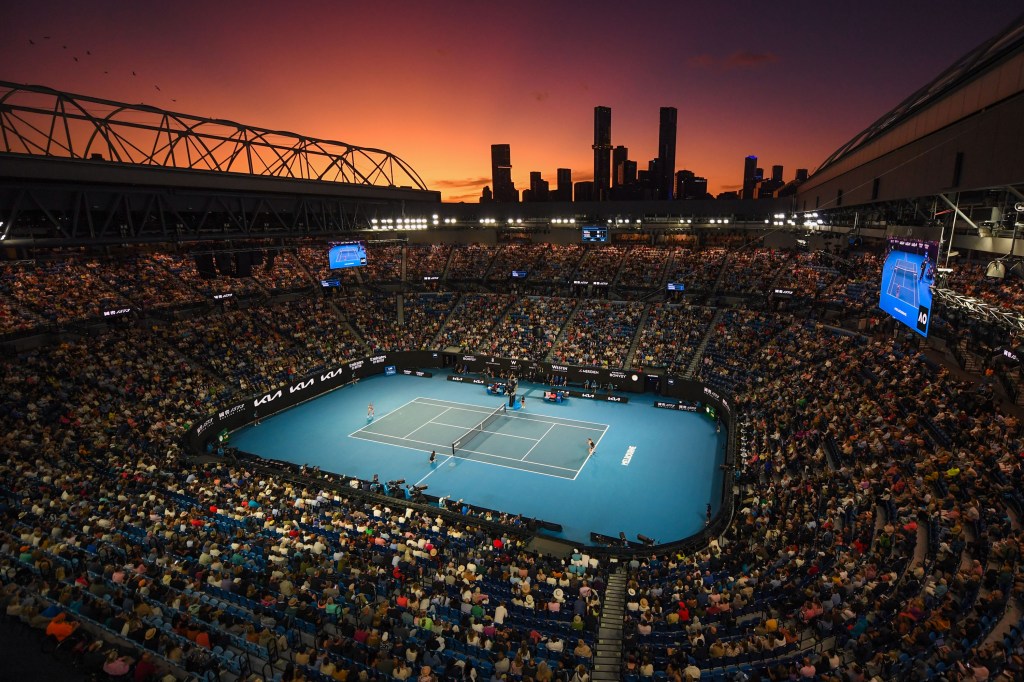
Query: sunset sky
x=437, y=83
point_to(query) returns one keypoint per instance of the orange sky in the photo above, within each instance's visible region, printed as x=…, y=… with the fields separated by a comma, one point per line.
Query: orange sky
x=438, y=83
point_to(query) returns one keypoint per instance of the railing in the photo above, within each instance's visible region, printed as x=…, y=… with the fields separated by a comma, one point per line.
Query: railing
x=41, y=121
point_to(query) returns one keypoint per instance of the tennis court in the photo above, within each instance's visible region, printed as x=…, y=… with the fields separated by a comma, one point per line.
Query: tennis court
x=903, y=281
x=542, y=444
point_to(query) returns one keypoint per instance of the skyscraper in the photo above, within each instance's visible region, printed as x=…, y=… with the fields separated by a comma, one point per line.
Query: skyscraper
x=749, y=177
x=801, y=174
x=619, y=157
x=501, y=174
x=666, y=152
x=777, y=174
x=538, y=187
x=564, y=191
x=602, y=152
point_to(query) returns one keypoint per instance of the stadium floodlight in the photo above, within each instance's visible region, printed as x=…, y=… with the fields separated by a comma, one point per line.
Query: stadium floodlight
x=996, y=270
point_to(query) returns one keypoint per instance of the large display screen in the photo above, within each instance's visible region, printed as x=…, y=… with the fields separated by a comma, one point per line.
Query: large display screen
x=594, y=233
x=908, y=274
x=347, y=255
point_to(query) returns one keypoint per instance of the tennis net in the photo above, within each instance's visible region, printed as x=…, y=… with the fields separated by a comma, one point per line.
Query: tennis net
x=477, y=430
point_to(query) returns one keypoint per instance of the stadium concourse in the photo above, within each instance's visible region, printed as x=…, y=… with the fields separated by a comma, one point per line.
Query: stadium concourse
x=878, y=497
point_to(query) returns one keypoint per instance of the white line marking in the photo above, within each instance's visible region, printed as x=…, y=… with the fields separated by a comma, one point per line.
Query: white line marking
x=433, y=470
x=538, y=442
x=430, y=421
x=555, y=420
x=382, y=418
x=475, y=452
x=590, y=456
x=493, y=433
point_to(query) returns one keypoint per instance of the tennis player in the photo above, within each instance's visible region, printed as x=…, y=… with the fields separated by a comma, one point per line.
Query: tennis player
x=590, y=447
x=369, y=412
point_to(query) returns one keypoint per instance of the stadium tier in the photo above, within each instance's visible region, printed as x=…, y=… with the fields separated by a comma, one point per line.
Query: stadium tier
x=869, y=528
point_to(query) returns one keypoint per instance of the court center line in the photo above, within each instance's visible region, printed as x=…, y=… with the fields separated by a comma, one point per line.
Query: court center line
x=433, y=470
x=467, y=459
x=475, y=452
x=538, y=442
x=493, y=433
x=429, y=421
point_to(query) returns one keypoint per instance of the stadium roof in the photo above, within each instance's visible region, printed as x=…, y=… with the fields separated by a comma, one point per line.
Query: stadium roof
x=964, y=70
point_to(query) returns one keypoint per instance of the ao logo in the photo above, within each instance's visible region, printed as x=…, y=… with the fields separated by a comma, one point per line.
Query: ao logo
x=922, y=317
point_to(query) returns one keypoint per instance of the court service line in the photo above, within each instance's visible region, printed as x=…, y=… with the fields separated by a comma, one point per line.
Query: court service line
x=430, y=421
x=382, y=418
x=475, y=452
x=493, y=433
x=467, y=459
x=538, y=443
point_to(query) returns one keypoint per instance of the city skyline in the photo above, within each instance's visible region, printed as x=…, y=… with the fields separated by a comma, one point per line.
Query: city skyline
x=426, y=82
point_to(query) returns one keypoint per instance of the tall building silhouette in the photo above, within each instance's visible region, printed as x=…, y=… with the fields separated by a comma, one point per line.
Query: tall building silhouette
x=666, y=153
x=749, y=177
x=564, y=191
x=602, y=152
x=539, y=187
x=620, y=155
x=776, y=173
x=501, y=174
x=689, y=185
x=801, y=174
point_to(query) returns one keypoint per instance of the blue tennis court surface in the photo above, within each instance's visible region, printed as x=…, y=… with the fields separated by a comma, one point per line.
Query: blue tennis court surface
x=552, y=446
x=653, y=471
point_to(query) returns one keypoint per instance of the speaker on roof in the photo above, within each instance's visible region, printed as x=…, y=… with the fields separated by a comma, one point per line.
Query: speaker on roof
x=243, y=264
x=225, y=264
x=204, y=266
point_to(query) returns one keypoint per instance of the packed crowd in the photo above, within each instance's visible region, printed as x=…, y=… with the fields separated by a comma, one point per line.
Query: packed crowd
x=62, y=289
x=807, y=276
x=753, y=270
x=426, y=260
x=474, y=323
x=557, y=263
x=281, y=271
x=877, y=533
x=696, y=270
x=147, y=564
x=643, y=265
x=670, y=338
x=531, y=327
x=516, y=256
x=601, y=265
x=877, y=518
x=969, y=279
x=470, y=262
x=599, y=334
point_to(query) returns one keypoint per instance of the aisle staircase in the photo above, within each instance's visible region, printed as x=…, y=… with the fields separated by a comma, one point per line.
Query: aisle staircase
x=564, y=329
x=636, y=337
x=691, y=369
x=608, y=652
